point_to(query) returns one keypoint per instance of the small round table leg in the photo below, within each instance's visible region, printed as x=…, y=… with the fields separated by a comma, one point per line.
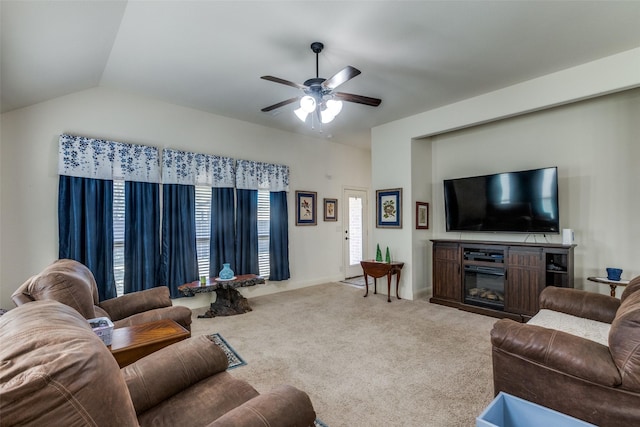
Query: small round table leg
x=366, y=282
x=613, y=290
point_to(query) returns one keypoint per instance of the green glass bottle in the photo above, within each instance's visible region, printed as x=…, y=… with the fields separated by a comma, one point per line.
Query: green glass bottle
x=387, y=257
x=378, y=253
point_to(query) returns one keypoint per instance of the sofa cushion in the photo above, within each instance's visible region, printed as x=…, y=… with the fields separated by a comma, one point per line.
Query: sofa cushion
x=578, y=326
x=57, y=371
x=624, y=341
x=68, y=282
x=633, y=286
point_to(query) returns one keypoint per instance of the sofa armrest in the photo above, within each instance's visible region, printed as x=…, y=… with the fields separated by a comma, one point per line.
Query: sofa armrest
x=283, y=406
x=169, y=371
x=577, y=302
x=136, y=302
x=557, y=350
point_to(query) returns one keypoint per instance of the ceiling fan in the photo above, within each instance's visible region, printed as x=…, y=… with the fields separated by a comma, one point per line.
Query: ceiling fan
x=319, y=94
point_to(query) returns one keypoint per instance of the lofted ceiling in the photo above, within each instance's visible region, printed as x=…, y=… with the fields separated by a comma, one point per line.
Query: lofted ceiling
x=209, y=55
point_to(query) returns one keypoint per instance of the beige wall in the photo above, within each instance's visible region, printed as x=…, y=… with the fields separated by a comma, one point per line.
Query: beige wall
x=583, y=119
x=29, y=182
x=595, y=146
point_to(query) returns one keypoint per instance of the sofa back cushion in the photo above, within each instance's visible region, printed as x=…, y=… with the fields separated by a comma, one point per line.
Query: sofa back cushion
x=66, y=281
x=632, y=287
x=57, y=370
x=624, y=341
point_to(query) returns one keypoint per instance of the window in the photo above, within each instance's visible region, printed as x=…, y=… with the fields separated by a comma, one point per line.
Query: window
x=203, y=221
x=118, y=235
x=203, y=228
x=264, y=213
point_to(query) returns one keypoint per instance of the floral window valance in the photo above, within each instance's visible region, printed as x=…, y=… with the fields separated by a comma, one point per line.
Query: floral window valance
x=183, y=167
x=100, y=159
x=261, y=176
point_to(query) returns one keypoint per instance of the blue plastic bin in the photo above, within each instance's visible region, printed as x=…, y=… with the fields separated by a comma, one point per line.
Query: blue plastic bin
x=510, y=411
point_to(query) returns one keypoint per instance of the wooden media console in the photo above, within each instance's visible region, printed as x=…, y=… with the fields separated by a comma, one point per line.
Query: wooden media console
x=500, y=279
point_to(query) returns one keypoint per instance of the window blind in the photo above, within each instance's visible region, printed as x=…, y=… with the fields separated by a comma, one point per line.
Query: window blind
x=264, y=214
x=118, y=235
x=203, y=227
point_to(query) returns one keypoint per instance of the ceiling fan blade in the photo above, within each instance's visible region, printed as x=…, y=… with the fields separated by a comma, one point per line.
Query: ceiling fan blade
x=346, y=74
x=374, y=102
x=280, y=104
x=284, y=82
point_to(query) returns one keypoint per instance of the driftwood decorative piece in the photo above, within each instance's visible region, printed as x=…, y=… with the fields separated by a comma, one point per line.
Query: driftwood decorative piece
x=228, y=301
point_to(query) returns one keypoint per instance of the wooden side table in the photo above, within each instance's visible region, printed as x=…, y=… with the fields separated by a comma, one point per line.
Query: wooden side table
x=131, y=343
x=378, y=269
x=612, y=283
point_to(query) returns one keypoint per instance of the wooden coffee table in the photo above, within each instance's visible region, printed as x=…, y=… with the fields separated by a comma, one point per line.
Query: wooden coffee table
x=131, y=343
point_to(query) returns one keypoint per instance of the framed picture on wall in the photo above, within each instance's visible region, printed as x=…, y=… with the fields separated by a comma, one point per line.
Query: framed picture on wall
x=306, y=207
x=389, y=208
x=330, y=209
x=422, y=216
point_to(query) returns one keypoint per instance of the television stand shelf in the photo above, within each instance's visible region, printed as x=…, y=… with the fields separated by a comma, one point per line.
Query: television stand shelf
x=500, y=279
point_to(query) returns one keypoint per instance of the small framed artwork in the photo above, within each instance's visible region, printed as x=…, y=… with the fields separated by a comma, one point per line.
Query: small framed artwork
x=389, y=208
x=422, y=216
x=306, y=207
x=330, y=209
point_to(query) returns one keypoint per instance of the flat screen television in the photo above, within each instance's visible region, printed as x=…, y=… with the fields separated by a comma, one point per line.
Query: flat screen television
x=515, y=202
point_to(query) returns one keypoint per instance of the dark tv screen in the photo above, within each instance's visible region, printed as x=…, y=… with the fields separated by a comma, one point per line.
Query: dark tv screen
x=520, y=202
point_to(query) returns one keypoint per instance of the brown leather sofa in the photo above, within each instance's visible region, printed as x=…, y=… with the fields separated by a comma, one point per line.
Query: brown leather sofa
x=72, y=283
x=585, y=379
x=57, y=372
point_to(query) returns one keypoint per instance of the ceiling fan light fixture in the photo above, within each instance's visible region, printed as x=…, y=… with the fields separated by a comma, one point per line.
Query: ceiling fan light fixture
x=334, y=106
x=308, y=104
x=302, y=115
x=326, y=116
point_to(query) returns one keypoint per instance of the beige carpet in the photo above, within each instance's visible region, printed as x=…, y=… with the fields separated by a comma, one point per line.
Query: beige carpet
x=363, y=361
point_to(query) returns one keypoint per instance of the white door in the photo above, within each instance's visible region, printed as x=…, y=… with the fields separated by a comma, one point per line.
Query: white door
x=355, y=230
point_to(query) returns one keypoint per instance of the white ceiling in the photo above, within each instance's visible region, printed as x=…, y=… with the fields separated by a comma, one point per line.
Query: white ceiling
x=209, y=55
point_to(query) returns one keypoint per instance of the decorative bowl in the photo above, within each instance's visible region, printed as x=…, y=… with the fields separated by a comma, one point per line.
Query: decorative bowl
x=614, y=273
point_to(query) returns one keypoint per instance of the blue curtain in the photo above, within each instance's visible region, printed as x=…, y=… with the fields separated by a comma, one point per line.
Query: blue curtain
x=222, y=238
x=179, y=262
x=278, y=237
x=142, y=236
x=85, y=227
x=247, y=232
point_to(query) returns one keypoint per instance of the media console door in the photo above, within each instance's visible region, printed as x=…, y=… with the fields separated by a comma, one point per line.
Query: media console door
x=447, y=282
x=525, y=280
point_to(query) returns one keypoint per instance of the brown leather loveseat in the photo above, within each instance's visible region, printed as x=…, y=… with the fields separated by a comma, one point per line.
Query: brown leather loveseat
x=72, y=283
x=55, y=371
x=598, y=382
